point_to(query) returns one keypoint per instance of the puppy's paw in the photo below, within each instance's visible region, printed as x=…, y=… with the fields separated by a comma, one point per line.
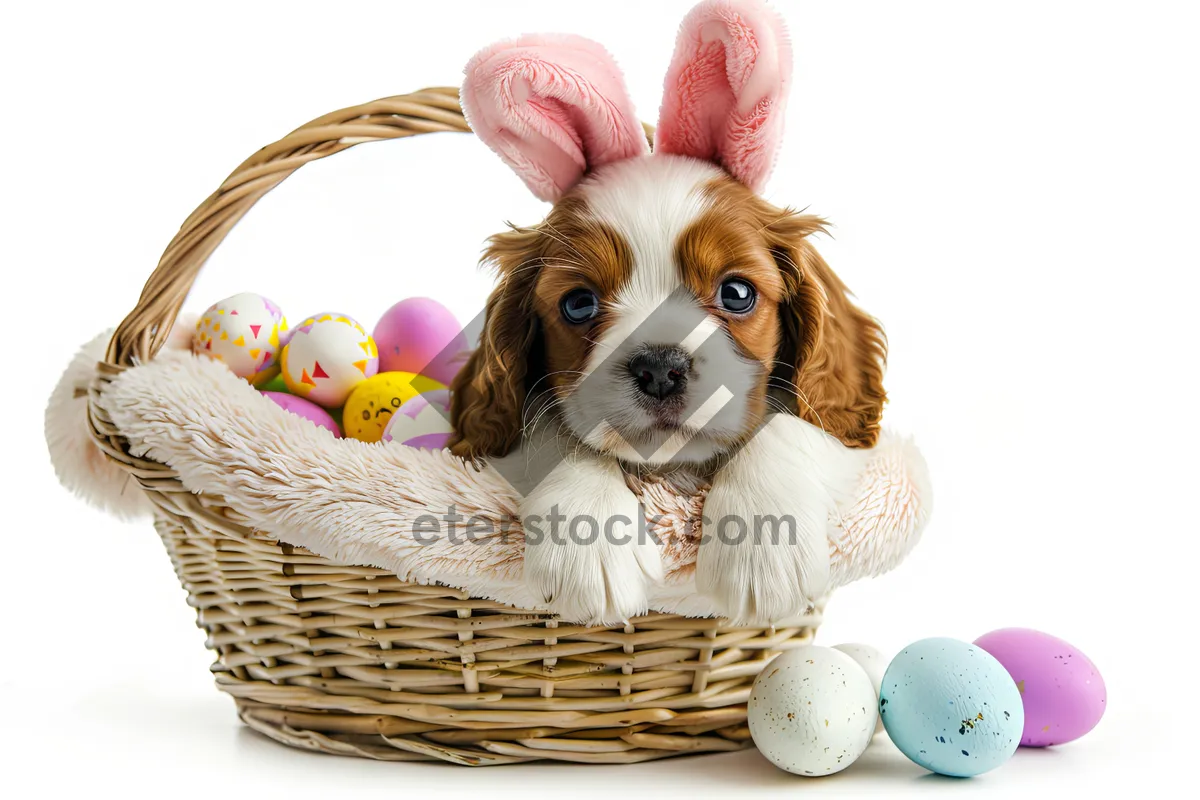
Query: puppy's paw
x=584, y=556
x=764, y=555
x=757, y=563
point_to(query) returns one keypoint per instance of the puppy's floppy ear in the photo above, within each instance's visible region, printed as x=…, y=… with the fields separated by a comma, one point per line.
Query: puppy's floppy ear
x=727, y=87
x=488, y=394
x=839, y=351
x=553, y=106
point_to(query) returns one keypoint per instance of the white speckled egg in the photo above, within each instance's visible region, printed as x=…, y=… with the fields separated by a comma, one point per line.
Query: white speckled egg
x=243, y=333
x=951, y=707
x=873, y=663
x=324, y=360
x=812, y=711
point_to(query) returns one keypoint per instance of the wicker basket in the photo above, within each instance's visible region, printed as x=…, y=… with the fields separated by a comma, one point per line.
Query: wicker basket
x=350, y=660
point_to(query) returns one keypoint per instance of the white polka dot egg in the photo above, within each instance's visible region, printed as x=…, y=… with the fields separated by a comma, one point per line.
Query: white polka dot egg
x=812, y=711
x=243, y=333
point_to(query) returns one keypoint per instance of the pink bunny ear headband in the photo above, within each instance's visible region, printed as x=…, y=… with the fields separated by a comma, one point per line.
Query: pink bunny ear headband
x=555, y=106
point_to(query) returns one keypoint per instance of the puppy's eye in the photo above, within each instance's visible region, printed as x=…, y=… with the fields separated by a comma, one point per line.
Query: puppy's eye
x=736, y=296
x=579, y=306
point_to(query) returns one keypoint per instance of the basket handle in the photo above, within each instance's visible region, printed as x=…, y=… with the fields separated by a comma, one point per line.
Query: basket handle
x=144, y=331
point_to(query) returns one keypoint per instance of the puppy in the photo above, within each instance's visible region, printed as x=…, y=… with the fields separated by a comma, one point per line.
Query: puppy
x=663, y=316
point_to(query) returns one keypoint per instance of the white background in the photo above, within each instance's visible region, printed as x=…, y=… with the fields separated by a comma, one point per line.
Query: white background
x=1014, y=189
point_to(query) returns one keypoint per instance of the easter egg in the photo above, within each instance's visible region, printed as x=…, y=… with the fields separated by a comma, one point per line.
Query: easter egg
x=812, y=711
x=422, y=422
x=276, y=384
x=421, y=335
x=243, y=333
x=951, y=707
x=324, y=316
x=1061, y=689
x=375, y=401
x=326, y=358
x=873, y=663
x=303, y=408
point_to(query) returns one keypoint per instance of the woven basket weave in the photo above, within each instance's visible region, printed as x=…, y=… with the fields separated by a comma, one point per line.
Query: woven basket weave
x=350, y=660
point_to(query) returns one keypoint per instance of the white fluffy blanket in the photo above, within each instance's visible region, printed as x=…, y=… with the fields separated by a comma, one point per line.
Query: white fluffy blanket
x=356, y=503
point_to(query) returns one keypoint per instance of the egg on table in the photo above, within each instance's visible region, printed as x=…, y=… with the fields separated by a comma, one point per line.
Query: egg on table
x=422, y=422
x=243, y=333
x=951, y=707
x=873, y=663
x=326, y=358
x=1061, y=689
x=376, y=401
x=812, y=711
x=421, y=335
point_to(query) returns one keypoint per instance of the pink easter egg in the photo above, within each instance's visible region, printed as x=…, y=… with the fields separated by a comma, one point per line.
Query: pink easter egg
x=1061, y=689
x=306, y=409
x=420, y=335
x=422, y=422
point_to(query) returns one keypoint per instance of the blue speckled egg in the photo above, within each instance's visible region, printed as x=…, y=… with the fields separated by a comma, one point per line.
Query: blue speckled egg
x=951, y=707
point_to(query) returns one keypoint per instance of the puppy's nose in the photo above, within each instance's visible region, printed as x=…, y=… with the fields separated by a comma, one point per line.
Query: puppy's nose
x=661, y=370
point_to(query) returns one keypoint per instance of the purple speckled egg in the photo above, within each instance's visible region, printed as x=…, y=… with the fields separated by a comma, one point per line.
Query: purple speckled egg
x=1061, y=689
x=305, y=408
x=420, y=335
x=422, y=422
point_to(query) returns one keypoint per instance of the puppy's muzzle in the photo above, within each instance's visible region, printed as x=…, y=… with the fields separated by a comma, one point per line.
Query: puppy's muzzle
x=660, y=371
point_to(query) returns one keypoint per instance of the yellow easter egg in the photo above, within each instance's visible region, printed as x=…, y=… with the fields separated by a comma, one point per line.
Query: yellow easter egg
x=373, y=402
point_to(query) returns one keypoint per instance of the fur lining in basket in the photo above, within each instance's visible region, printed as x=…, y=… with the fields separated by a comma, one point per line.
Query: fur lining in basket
x=356, y=503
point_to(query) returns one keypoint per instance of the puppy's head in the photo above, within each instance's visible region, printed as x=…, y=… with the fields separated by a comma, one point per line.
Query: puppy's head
x=653, y=311
x=661, y=301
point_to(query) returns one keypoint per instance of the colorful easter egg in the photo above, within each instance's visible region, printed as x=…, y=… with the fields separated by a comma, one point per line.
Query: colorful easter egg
x=303, y=408
x=375, y=401
x=951, y=707
x=420, y=335
x=243, y=333
x=422, y=422
x=812, y=711
x=1061, y=689
x=324, y=316
x=326, y=358
x=873, y=663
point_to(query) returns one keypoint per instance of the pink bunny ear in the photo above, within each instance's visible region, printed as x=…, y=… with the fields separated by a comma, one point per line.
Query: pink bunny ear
x=726, y=88
x=553, y=107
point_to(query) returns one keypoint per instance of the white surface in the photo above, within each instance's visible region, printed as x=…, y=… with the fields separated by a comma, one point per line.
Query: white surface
x=1014, y=190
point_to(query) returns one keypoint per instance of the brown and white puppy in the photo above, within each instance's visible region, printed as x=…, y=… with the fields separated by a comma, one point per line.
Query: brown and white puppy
x=664, y=316
x=575, y=294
